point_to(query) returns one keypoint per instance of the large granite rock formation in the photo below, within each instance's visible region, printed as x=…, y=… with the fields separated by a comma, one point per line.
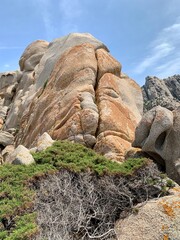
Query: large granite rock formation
x=158, y=134
x=73, y=89
x=165, y=93
x=156, y=219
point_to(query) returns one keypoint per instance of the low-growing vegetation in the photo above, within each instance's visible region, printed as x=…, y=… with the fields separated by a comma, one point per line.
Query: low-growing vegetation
x=78, y=158
x=71, y=193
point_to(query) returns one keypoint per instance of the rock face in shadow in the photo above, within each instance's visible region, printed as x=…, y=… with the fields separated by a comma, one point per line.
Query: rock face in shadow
x=158, y=134
x=74, y=89
x=165, y=92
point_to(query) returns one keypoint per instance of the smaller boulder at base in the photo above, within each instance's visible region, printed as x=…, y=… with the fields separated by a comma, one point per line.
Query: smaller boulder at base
x=6, y=153
x=156, y=219
x=21, y=155
x=44, y=141
x=158, y=134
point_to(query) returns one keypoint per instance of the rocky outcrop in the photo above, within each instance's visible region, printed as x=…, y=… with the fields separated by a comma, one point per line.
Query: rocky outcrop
x=21, y=155
x=156, y=219
x=72, y=88
x=165, y=93
x=158, y=134
x=24, y=90
x=32, y=55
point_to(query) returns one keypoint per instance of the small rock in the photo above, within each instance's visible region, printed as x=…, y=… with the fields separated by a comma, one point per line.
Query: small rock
x=44, y=141
x=6, y=153
x=90, y=140
x=12, y=131
x=134, y=153
x=6, y=138
x=33, y=150
x=21, y=155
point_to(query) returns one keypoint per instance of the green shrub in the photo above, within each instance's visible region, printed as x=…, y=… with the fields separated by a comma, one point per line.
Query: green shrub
x=78, y=158
x=17, y=220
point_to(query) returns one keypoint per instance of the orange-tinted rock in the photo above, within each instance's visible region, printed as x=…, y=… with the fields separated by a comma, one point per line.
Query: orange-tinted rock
x=107, y=64
x=1, y=123
x=155, y=219
x=73, y=89
x=116, y=121
x=62, y=108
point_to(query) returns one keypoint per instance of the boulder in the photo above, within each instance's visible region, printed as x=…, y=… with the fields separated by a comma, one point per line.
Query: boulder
x=118, y=115
x=7, y=79
x=8, y=84
x=44, y=141
x=6, y=153
x=163, y=92
x=6, y=138
x=21, y=155
x=158, y=134
x=156, y=219
x=32, y=55
x=107, y=64
x=57, y=48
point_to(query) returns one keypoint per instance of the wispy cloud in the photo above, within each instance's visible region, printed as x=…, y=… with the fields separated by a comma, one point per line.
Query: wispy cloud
x=164, y=53
x=45, y=6
x=6, y=65
x=70, y=11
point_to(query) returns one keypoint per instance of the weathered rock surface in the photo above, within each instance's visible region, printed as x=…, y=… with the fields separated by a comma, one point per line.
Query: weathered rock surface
x=157, y=219
x=118, y=115
x=32, y=55
x=158, y=134
x=24, y=90
x=56, y=50
x=44, y=141
x=21, y=155
x=6, y=153
x=8, y=84
x=72, y=88
x=165, y=93
x=6, y=138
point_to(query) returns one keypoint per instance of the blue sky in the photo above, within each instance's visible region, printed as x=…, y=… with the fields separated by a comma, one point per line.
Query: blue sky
x=144, y=35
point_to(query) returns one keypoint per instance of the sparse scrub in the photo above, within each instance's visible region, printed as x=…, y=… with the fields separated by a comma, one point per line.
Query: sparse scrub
x=79, y=194
x=86, y=205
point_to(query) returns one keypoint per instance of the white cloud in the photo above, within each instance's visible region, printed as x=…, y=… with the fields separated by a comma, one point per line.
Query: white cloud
x=170, y=68
x=164, y=53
